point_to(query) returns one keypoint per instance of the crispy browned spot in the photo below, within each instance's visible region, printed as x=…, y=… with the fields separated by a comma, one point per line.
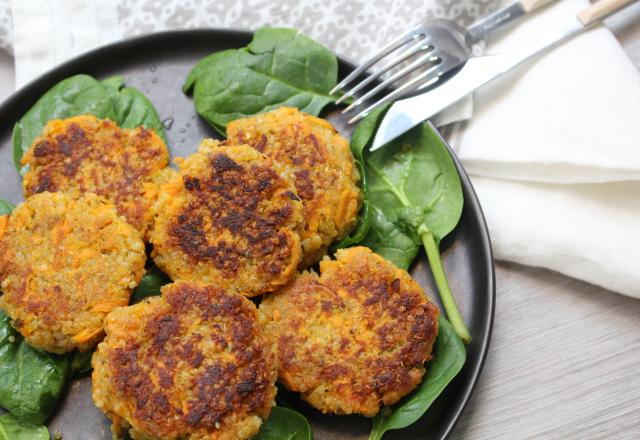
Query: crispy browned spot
x=229, y=197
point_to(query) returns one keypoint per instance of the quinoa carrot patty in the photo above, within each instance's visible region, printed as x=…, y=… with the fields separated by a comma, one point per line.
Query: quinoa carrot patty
x=65, y=263
x=228, y=218
x=191, y=364
x=353, y=338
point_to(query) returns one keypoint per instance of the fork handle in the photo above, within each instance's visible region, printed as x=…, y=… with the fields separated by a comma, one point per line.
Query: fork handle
x=601, y=10
x=530, y=5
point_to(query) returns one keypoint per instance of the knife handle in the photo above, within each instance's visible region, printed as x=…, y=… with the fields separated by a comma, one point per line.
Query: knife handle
x=502, y=17
x=530, y=5
x=601, y=10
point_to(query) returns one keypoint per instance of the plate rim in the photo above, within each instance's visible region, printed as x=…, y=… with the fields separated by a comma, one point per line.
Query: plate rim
x=491, y=280
x=67, y=69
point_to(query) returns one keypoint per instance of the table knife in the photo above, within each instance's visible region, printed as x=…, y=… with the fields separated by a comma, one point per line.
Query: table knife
x=407, y=113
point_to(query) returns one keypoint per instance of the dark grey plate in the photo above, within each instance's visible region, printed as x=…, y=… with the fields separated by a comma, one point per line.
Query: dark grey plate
x=157, y=65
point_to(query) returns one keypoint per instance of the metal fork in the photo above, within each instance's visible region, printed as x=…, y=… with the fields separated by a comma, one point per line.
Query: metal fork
x=440, y=44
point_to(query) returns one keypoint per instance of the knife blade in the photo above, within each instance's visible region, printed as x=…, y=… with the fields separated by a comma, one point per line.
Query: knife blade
x=407, y=113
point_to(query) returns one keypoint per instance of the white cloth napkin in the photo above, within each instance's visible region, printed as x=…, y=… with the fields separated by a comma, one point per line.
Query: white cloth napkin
x=587, y=231
x=568, y=116
x=49, y=32
x=540, y=140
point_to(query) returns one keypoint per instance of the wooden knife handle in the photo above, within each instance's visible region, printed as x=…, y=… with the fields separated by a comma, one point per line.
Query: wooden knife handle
x=600, y=10
x=530, y=5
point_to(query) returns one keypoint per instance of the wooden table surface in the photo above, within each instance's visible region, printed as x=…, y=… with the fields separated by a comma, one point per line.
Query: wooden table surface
x=564, y=361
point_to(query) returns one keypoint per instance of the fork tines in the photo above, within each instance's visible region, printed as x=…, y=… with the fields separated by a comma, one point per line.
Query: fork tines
x=420, y=52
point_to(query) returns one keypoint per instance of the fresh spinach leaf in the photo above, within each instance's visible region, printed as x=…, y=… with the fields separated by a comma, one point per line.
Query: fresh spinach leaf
x=150, y=284
x=284, y=424
x=77, y=95
x=218, y=60
x=6, y=207
x=389, y=241
x=31, y=381
x=280, y=67
x=112, y=85
x=449, y=356
x=360, y=140
x=132, y=107
x=80, y=362
x=13, y=429
x=414, y=184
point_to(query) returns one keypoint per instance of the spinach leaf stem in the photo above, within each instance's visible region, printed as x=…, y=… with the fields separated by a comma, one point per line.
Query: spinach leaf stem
x=448, y=301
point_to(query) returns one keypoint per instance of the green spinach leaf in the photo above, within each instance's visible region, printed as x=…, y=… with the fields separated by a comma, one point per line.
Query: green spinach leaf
x=112, y=85
x=133, y=108
x=218, y=60
x=360, y=140
x=150, y=284
x=449, y=356
x=80, y=362
x=13, y=429
x=280, y=67
x=76, y=95
x=6, y=207
x=389, y=241
x=31, y=381
x=414, y=185
x=284, y=424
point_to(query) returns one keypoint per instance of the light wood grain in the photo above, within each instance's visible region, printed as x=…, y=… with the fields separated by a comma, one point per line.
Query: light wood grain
x=530, y=5
x=601, y=9
x=563, y=362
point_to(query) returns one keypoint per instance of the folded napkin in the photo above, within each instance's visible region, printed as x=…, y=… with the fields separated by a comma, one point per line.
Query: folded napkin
x=539, y=142
x=587, y=231
x=568, y=116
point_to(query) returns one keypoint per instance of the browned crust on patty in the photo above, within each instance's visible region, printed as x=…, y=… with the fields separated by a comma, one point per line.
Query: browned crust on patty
x=319, y=162
x=354, y=338
x=228, y=218
x=87, y=154
x=193, y=363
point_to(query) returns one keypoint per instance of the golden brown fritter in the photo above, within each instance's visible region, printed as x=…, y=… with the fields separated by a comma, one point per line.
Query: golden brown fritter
x=318, y=160
x=191, y=364
x=228, y=218
x=65, y=263
x=354, y=338
x=87, y=154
